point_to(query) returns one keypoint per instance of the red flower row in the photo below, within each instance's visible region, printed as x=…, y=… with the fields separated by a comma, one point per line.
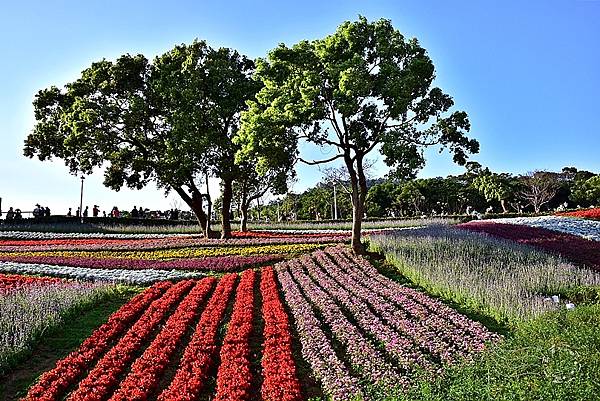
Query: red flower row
x=280, y=380
x=200, y=353
x=12, y=281
x=147, y=370
x=100, y=381
x=586, y=214
x=234, y=377
x=53, y=383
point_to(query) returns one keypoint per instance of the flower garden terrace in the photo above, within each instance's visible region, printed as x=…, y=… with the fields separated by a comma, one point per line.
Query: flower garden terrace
x=255, y=335
x=280, y=316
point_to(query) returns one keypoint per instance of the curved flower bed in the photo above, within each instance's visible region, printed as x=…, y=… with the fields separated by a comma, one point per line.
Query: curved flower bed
x=584, y=214
x=176, y=253
x=572, y=247
x=27, y=235
x=588, y=229
x=127, y=276
x=11, y=282
x=98, y=244
x=407, y=330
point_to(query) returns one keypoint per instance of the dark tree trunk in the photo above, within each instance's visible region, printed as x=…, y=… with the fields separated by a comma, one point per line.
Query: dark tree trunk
x=244, y=217
x=195, y=203
x=358, y=201
x=226, y=208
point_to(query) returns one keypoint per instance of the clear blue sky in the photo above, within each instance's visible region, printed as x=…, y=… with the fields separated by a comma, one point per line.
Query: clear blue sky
x=527, y=72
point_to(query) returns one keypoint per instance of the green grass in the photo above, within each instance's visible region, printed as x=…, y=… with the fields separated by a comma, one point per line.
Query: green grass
x=553, y=357
x=59, y=341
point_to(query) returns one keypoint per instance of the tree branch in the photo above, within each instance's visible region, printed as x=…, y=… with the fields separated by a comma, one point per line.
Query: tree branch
x=315, y=162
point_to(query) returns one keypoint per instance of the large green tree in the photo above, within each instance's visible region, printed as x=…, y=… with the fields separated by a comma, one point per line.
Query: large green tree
x=170, y=121
x=362, y=88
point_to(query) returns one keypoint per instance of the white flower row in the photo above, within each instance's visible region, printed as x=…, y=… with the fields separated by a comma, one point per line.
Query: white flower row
x=589, y=229
x=26, y=235
x=125, y=276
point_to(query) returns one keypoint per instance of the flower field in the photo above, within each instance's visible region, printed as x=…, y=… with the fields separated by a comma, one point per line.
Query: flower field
x=504, y=279
x=243, y=336
x=144, y=259
x=176, y=328
x=277, y=316
x=573, y=247
x=588, y=229
x=393, y=332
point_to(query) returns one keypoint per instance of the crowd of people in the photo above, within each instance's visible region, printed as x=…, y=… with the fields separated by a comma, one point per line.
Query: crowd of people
x=136, y=213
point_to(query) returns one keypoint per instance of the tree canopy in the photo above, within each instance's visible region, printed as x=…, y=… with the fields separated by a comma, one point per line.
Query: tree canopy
x=170, y=122
x=362, y=88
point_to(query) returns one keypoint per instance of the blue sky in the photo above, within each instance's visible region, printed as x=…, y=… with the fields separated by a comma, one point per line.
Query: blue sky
x=526, y=72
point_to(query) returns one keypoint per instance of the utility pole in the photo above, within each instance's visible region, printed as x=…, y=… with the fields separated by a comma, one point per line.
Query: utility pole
x=335, y=212
x=81, y=199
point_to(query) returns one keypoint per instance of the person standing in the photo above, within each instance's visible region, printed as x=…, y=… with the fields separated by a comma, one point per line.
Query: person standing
x=85, y=212
x=47, y=212
x=10, y=215
x=69, y=213
x=96, y=211
x=134, y=213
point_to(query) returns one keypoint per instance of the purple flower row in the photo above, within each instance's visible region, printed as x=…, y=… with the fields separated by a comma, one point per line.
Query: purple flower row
x=355, y=301
x=431, y=328
x=421, y=305
x=317, y=349
x=216, y=263
x=347, y=294
x=362, y=354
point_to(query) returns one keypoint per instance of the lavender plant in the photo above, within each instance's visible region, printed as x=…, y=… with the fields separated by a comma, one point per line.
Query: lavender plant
x=500, y=278
x=27, y=312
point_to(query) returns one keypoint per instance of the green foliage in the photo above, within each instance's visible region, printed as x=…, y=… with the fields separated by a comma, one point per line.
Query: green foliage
x=586, y=192
x=170, y=121
x=361, y=88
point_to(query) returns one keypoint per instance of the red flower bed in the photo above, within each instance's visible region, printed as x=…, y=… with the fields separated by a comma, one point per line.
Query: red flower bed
x=100, y=381
x=147, y=370
x=128, y=357
x=572, y=247
x=280, y=380
x=274, y=234
x=234, y=376
x=52, y=384
x=12, y=281
x=200, y=353
x=585, y=214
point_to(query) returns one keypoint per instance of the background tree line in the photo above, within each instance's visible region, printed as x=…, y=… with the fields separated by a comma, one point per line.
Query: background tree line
x=476, y=190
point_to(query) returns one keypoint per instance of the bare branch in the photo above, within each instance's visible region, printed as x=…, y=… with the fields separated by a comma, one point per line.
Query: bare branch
x=315, y=162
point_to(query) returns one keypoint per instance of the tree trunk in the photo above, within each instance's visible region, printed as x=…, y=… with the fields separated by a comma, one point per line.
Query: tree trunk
x=195, y=203
x=244, y=217
x=358, y=201
x=226, y=208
